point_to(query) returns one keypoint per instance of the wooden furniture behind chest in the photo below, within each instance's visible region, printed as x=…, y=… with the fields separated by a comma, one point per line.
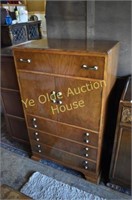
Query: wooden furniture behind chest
x=120, y=172
x=20, y=32
x=11, y=101
x=64, y=86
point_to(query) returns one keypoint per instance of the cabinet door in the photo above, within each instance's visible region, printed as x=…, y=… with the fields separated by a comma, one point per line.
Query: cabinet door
x=35, y=93
x=121, y=169
x=81, y=102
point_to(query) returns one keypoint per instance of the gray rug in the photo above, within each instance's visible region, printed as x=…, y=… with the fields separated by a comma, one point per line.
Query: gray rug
x=43, y=187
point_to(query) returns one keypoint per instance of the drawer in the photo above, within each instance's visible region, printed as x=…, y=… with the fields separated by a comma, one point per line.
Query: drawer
x=63, y=144
x=72, y=65
x=63, y=157
x=63, y=130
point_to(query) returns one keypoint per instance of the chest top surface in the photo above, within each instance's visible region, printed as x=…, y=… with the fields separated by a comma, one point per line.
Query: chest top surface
x=73, y=45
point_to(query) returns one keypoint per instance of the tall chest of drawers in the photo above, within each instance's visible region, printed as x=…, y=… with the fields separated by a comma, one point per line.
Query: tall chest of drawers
x=64, y=86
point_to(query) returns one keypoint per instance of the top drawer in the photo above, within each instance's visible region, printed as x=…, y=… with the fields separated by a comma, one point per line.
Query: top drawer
x=72, y=65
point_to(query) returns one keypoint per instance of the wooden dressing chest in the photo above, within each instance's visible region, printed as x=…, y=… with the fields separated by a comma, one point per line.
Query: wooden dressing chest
x=64, y=86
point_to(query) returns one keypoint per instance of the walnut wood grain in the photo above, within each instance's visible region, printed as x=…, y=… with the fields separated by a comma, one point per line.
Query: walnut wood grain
x=62, y=64
x=62, y=130
x=55, y=65
x=63, y=144
x=64, y=157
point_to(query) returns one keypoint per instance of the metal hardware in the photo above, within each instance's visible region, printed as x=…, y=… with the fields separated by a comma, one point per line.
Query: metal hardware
x=59, y=102
x=36, y=133
x=25, y=60
x=87, y=141
x=34, y=120
x=59, y=93
x=86, y=154
x=53, y=92
x=86, y=163
x=54, y=101
x=38, y=146
x=86, y=148
x=39, y=151
x=84, y=66
x=87, y=134
x=37, y=139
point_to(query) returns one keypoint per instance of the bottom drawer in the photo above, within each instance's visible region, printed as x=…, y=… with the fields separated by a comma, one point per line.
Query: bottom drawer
x=63, y=157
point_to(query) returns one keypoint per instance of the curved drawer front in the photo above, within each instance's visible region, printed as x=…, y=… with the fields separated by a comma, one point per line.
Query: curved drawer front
x=63, y=130
x=63, y=144
x=64, y=157
x=72, y=65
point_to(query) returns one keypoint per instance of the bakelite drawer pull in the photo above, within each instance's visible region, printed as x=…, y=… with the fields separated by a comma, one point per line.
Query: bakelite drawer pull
x=86, y=164
x=86, y=155
x=86, y=148
x=25, y=60
x=38, y=146
x=34, y=120
x=37, y=139
x=39, y=151
x=87, y=134
x=87, y=141
x=89, y=68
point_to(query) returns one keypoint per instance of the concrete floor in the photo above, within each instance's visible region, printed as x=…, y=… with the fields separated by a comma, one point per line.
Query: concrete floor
x=16, y=169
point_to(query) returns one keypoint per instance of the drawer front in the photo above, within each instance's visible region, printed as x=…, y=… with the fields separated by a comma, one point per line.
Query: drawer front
x=62, y=130
x=73, y=65
x=64, y=157
x=63, y=144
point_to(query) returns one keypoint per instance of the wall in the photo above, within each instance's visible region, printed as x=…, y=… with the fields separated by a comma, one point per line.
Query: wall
x=113, y=22
x=109, y=20
x=66, y=19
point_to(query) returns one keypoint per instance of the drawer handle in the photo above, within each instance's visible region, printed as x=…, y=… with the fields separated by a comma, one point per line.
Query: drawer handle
x=25, y=60
x=86, y=148
x=59, y=102
x=95, y=68
x=87, y=141
x=87, y=134
x=34, y=124
x=86, y=164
